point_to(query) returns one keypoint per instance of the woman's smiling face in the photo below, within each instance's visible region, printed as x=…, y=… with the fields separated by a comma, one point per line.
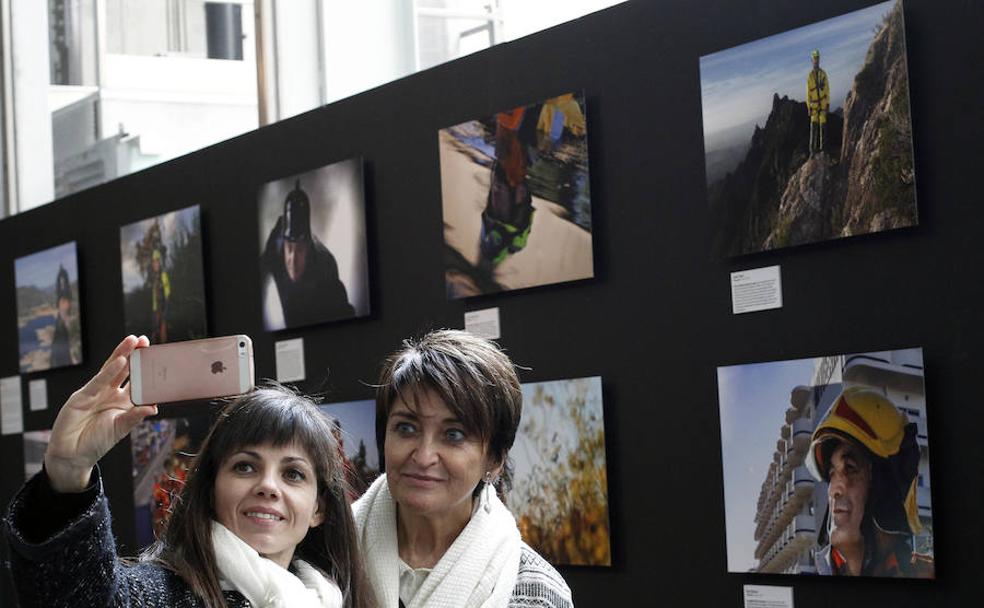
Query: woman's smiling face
x=432, y=463
x=268, y=497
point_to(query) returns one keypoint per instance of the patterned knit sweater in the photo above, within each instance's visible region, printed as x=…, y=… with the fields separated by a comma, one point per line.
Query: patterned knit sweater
x=63, y=554
x=539, y=585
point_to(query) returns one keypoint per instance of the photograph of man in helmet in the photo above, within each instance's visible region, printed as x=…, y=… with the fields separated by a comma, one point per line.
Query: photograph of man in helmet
x=826, y=465
x=305, y=282
x=865, y=450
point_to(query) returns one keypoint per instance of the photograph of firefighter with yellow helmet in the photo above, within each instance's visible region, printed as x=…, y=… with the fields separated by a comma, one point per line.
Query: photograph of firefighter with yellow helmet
x=826, y=466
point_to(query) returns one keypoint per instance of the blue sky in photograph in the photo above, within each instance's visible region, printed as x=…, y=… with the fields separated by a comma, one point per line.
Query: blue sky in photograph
x=753, y=399
x=358, y=420
x=41, y=269
x=547, y=433
x=737, y=84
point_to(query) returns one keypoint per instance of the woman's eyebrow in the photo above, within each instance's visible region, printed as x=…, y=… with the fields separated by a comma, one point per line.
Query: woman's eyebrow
x=293, y=459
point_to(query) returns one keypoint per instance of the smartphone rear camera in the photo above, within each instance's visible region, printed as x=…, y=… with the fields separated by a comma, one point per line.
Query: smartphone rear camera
x=242, y=345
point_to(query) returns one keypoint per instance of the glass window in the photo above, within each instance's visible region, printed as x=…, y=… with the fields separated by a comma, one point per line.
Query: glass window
x=131, y=83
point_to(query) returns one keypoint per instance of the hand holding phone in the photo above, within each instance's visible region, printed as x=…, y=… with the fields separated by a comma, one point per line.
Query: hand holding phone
x=93, y=420
x=195, y=369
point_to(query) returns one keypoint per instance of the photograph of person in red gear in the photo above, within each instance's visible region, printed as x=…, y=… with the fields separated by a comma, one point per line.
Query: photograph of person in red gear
x=516, y=198
x=162, y=452
x=163, y=277
x=826, y=466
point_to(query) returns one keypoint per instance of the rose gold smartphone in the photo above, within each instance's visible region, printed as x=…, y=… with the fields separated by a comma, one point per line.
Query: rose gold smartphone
x=196, y=369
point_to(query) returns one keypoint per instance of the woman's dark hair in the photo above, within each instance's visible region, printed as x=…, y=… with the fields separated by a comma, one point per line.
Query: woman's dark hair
x=277, y=416
x=471, y=375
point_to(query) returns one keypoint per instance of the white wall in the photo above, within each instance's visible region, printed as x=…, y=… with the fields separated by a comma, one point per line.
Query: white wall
x=367, y=43
x=32, y=118
x=178, y=104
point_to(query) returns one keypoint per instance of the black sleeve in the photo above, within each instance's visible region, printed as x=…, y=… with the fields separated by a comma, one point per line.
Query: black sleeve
x=63, y=554
x=48, y=511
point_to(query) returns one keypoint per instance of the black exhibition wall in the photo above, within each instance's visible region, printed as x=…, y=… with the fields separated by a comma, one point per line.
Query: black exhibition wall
x=654, y=323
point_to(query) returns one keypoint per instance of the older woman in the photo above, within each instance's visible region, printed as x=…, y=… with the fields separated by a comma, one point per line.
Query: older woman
x=262, y=521
x=433, y=529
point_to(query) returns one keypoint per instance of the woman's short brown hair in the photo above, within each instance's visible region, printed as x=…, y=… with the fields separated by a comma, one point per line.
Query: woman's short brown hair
x=474, y=378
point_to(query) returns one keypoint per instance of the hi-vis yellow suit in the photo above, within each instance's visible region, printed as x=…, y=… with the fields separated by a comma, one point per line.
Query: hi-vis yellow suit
x=818, y=95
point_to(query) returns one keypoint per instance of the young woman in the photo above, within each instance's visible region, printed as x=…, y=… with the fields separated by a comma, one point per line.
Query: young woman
x=432, y=528
x=262, y=521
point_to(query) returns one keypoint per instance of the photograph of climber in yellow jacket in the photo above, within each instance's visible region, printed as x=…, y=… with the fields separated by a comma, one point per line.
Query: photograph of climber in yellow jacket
x=163, y=276
x=768, y=186
x=516, y=198
x=817, y=102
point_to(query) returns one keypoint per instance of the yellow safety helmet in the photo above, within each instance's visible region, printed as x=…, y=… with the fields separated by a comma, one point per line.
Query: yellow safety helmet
x=870, y=420
x=815, y=53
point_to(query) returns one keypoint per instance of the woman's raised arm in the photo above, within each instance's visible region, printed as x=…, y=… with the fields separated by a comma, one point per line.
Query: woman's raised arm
x=93, y=420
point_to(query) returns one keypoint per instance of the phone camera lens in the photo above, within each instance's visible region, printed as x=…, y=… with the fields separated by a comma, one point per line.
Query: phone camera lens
x=242, y=345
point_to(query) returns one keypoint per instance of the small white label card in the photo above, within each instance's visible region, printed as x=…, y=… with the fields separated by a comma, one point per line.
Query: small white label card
x=756, y=289
x=11, y=415
x=766, y=596
x=483, y=323
x=37, y=393
x=290, y=360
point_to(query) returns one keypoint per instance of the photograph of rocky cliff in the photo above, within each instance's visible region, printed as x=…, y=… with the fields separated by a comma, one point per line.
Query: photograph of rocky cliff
x=808, y=135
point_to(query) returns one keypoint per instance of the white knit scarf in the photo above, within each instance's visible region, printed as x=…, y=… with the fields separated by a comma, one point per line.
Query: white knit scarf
x=478, y=570
x=265, y=583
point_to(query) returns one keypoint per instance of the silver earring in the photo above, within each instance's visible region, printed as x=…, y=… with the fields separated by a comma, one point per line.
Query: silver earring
x=488, y=490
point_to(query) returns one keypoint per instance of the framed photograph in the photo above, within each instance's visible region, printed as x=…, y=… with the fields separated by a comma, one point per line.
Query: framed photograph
x=354, y=424
x=808, y=134
x=560, y=477
x=314, y=265
x=162, y=451
x=826, y=466
x=48, y=313
x=163, y=277
x=516, y=198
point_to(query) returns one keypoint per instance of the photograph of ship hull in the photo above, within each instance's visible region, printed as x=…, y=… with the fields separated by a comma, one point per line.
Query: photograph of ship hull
x=48, y=313
x=163, y=277
x=826, y=466
x=808, y=135
x=516, y=198
x=560, y=476
x=314, y=265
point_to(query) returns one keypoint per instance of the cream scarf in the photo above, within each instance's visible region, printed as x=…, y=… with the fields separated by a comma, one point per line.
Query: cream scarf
x=478, y=570
x=265, y=583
